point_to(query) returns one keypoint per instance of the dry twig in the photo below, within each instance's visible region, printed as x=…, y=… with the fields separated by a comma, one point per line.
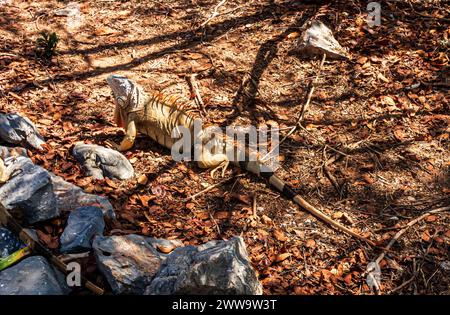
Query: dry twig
x=194, y=86
x=214, y=14
x=303, y=110
x=405, y=228
x=211, y=187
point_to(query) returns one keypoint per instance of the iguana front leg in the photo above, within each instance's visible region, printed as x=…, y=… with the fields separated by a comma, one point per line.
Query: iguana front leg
x=129, y=138
x=215, y=161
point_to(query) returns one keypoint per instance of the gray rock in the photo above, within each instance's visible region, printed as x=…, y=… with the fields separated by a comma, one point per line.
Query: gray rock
x=100, y=162
x=216, y=267
x=16, y=129
x=6, y=152
x=318, y=39
x=83, y=224
x=70, y=197
x=9, y=243
x=29, y=189
x=128, y=262
x=32, y=276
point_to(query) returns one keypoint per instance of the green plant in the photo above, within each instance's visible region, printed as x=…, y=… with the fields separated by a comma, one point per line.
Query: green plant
x=14, y=257
x=46, y=45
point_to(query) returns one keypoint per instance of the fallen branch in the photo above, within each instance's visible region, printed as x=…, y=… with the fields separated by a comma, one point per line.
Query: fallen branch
x=3, y=54
x=330, y=176
x=402, y=285
x=311, y=91
x=254, y=206
x=303, y=110
x=214, y=14
x=405, y=228
x=194, y=86
x=211, y=187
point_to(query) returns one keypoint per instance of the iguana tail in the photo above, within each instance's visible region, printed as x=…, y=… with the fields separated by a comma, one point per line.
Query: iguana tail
x=286, y=190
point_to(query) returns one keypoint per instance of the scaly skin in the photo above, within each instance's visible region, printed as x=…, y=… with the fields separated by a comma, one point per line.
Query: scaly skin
x=157, y=115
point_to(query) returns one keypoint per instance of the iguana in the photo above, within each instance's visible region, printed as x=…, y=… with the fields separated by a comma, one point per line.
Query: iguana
x=156, y=115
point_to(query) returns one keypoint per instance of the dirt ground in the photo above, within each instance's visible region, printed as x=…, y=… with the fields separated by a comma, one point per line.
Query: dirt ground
x=373, y=152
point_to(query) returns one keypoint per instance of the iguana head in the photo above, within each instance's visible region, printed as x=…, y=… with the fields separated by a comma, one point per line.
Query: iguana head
x=127, y=94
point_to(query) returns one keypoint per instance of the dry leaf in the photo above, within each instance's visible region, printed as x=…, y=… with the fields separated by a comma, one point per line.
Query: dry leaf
x=282, y=257
x=293, y=35
x=399, y=134
x=383, y=78
x=368, y=178
x=310, y=243
x=202, y=215
x=111, y=183
x=362, y=60
x=143, y=179
x=337, y=215
x=266, y=219
x=426, y=236
x=103, y=31
x=348, y=279
x=190, y=206
x=165, y=249
x=145, y=199
x=89, y=189
x=387, y=100
x=279, y=235
x=221, y=215
x=431, y=218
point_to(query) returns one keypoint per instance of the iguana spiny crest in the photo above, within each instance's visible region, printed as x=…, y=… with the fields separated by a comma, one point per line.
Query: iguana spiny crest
x=159, y=116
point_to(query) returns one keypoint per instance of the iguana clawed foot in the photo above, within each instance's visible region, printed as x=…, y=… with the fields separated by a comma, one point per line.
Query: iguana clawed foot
x=222, y=166
x=111, y=144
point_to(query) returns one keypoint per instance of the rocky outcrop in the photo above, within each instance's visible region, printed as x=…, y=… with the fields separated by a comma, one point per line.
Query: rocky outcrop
x=32, y=276
x=29, y=189
x=128, y=262
x=83, y=224
x=100, y=162
x=317, y=39
x=9, y=243
x=16, y=129
x=70, y=197
x=216, y=267
x=6, y=152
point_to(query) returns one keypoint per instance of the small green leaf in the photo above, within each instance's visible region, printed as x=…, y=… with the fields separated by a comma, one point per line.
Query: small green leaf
x=14, y=257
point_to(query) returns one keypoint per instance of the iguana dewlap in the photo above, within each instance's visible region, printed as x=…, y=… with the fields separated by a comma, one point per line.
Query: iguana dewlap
x=157, y=116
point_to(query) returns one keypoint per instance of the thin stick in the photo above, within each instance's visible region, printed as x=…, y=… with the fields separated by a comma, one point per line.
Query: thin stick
x=311, y=91
x=17, y=97
x=328, y=174
x=402, y=285
x=215, y=222
x=211, y=187
x=405, y=228
x=3, y=54
x=304, y=108
x=255, y=214
x=194, y=86
x=214, y=14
